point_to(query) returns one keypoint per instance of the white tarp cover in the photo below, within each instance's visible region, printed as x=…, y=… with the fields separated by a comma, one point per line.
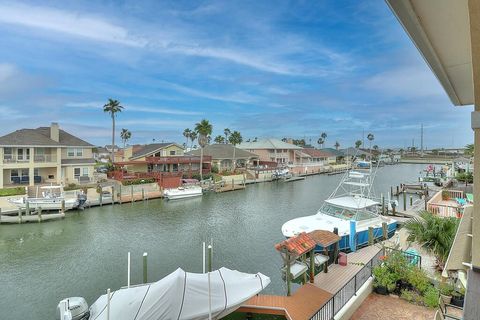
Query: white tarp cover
x=182, y=295
x=352, y=202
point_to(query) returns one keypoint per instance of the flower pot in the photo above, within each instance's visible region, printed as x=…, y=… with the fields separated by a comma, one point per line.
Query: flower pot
x=446, y=299
x=457, y=301
x=381, y=290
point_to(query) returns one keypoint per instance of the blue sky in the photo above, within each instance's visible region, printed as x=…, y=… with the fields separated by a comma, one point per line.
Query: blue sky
x=265, y=68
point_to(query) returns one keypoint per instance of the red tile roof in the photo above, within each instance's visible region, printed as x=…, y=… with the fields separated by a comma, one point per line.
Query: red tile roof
x=297, y=245
x=324, y=237
x=316, y=153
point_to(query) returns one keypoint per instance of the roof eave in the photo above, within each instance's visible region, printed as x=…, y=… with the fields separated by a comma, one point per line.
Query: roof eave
x=407, y=17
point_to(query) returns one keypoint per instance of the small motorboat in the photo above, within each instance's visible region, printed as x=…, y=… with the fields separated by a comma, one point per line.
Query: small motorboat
x=52, y=198
x=180, y=295
x=183, y=192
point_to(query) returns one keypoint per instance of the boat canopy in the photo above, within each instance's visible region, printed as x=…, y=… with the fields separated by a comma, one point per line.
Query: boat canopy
x=182, y=295
x=350, y=202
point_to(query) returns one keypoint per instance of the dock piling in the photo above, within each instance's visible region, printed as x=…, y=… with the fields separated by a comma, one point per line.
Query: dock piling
x=143, y=194
x=128, y=270
x=100, y=198
x=131, y=193
x=411, y=201
x=370, y=236
x=63, y=206
x=39, y=214
x=210, y=258
x=108, y=303
x=27, y=208
x=404, y=201
x=383, y=205
x=145, y=268
x=203, y=257
x=19, y=215
x=385, y=230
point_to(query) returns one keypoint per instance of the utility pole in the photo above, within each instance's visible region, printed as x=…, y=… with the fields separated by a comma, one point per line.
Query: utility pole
x=421, y=140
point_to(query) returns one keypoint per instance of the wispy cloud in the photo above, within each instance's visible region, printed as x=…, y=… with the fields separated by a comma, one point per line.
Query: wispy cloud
x=72, y=23
x=135, y=108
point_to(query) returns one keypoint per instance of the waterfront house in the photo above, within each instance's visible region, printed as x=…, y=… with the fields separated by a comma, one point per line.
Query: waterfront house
x=447, y=35
x=320, y=156
x=222, y=156
x=275, y=151
x=337, y=153
x=44, y=155
x=159, y=161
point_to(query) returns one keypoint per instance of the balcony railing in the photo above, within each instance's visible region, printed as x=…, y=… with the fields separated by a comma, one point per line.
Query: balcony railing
x=177, y=159
x=25, y=159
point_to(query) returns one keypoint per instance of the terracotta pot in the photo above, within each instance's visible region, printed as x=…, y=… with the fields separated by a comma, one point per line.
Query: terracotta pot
x=381, y=290
x=446, y=299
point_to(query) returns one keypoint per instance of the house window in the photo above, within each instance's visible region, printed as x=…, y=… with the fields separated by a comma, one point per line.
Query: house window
x=76, y=173
x=7, y=154
x=14, y=173
x=172, y=152
x=23, y=154
x=175, y=167
x=40, y=151
x=79, y=152
x=36, y=172
x=85, y=172
x=70, y=152
x=24, y=172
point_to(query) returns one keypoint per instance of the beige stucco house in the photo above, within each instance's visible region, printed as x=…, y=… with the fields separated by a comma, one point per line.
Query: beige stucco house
x=222, y=156
x=275, y=150
x=44, y=155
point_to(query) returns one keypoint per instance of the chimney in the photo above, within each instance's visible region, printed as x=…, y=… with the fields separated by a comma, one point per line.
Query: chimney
x=54, y=132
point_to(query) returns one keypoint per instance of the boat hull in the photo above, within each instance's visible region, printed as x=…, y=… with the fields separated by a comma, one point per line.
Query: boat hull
x=45, y=204
x=175, y=194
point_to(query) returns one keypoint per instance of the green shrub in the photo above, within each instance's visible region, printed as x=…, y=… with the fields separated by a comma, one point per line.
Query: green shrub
x=446, y=288
x=138, y=181
x=407, y=295
x=430, y=297
x=418, y=279
x=214, y=169
x=384, y=278
x=462, y=176
x=12, y=191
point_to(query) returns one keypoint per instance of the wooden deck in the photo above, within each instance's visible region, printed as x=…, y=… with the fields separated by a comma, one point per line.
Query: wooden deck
x=303, y=304
x=230, y=187
x=338, y=275
x=309, y=298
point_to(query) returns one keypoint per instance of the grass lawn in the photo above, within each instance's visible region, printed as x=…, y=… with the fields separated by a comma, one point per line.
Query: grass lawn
x=12, y=191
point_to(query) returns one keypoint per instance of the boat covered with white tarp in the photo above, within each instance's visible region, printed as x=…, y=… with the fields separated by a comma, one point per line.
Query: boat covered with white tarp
x=180, y=295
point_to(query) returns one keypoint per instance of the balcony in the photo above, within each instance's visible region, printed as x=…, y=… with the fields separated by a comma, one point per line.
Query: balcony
x=36, y=159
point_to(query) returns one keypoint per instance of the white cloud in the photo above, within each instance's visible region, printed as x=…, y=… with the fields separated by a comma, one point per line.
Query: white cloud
x=72, y=23
x=135, y=108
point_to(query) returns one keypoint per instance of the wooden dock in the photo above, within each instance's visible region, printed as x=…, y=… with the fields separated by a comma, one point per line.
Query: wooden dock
x=309, y=298
x=230, y=187
x=31, y=218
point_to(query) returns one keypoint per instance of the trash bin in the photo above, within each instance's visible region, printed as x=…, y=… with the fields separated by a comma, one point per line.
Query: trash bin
x=342, y=259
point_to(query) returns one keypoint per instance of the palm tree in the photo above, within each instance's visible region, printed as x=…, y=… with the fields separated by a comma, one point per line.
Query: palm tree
x=112, y=107
x=193, y=135
x=358, y=143
x=284, y=139
x=469, y=150
x=186, y=134
x=324, y=137
x=226, y=132
x=336, y=145
x=255, y=140
x=433, y=233
x=370, y=138
x=204, y=130
x=320, y=141
x=375, y=147
x=125, y=134
x=219, y=139
x=235, y=138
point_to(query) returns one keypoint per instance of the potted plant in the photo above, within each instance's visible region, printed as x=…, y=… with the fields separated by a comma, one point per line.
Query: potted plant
x=445, y=195
x=446, y=289
x=384, y=281
x=458, y=296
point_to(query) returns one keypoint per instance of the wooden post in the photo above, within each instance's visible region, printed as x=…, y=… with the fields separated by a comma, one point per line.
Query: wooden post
x=233, y=186
x=143, y=194
x=145, y=269
x=304, y=260
x=391, y=190
x=336, y=248
x=39, y=214
x=100, y=197
x=383, y=205
x=411, y=201
x=287, y=275
x=371, y=240
x=120, y=193
x=128, y=270
x=27, y=208
x=385, y=230
x=131, y=193
x=312, y=266
x=426, y=205
x=404, y=201
x=19, y=215
x=325, y=265
x=394, y=210
x=63, y=206
x=398, y=193
x=209, y=258
x=113, y=195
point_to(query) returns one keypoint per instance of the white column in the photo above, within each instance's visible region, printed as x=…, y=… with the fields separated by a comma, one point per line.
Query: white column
x=31, y=166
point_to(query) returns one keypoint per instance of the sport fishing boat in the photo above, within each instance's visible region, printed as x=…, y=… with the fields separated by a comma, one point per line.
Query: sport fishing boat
x=351, y=208
x=52, y=197
x=180, y=295
x=183, y=192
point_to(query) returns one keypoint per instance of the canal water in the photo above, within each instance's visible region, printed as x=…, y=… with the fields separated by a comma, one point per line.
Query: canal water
x=86, y=253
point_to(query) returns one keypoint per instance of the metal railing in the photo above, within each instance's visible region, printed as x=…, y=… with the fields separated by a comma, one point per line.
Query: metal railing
x=412, y=258
x=340, y=299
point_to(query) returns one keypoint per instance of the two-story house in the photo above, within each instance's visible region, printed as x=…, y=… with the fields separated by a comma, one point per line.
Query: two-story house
x=44, y=155
x=275, y=151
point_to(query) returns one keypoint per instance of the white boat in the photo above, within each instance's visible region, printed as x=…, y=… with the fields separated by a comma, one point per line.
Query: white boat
x=281, y=173
x=351, y=208
x=183, y=192
x=180, y=295
x=52, y=197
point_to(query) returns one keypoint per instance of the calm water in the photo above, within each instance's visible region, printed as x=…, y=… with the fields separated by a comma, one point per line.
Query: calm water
x=86, y=253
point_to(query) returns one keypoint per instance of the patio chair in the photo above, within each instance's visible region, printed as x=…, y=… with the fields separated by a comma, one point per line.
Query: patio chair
x=25, y=179
x=16, y=180
x=37, y=179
